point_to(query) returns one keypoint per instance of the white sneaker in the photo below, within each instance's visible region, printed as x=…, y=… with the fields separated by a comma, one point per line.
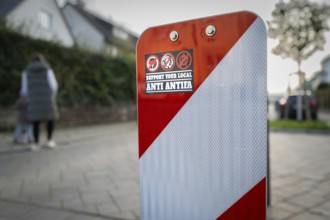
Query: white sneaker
x=51, y=144
x=35, y=148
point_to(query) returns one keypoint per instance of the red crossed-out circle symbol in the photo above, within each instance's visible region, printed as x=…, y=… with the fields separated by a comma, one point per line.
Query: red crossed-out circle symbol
x=152, y=63
x=184, y=60
x=167, y=62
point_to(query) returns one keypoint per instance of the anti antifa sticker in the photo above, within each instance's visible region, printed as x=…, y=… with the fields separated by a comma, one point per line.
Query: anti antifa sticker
x=170, y=72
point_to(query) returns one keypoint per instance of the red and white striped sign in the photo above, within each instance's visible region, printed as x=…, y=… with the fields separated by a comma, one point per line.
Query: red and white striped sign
x=202, y=119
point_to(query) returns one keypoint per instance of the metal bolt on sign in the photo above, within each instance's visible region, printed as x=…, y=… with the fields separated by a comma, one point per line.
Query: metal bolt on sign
x=174, y=36
x=210, y=30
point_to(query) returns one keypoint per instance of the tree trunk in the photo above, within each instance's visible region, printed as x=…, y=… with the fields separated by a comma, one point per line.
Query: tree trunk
x=307, y=108
x=306, y=101
x=299, y=102
x=286, y=107
x=302, y=87
x=286, y=111
x=299, y=106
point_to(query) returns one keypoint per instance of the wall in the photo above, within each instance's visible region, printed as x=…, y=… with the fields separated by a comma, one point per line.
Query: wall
x=76, y=116
x=326, y=68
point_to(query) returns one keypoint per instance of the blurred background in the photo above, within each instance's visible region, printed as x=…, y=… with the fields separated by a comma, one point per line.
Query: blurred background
x=90, y=45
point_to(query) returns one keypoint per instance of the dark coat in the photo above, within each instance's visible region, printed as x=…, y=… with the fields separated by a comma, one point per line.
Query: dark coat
x=42, y=100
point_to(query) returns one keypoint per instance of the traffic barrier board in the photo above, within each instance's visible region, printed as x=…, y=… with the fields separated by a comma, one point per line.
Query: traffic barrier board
x=202, y=119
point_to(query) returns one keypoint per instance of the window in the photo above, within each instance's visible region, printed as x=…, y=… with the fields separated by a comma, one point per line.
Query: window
x=120, y=33
x=114, y=51
x=45, y=19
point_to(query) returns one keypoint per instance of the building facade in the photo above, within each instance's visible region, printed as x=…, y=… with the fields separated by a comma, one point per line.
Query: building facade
x=40, y=19
x=322, y=76
x=98, y=34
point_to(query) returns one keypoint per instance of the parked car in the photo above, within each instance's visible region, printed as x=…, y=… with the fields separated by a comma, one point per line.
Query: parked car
x=290, y=103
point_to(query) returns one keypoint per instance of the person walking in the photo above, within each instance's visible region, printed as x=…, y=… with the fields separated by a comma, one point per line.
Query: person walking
x=40, y=86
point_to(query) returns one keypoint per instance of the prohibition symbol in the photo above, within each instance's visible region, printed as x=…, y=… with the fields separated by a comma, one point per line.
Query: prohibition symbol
x=184, y=60
x=167, y=62
x=152, y=63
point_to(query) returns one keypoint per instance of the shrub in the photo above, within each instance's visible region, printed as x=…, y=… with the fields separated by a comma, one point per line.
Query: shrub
x=85, y=79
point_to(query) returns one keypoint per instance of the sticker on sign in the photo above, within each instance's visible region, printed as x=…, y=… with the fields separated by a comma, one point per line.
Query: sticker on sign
x=169, y=72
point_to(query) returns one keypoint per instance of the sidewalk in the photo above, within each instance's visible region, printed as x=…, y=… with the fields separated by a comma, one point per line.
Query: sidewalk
x=65, y=136
x=93, y=174
x=300, y=176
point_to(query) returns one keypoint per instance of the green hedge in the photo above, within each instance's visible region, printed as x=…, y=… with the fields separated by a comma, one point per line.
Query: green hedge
x=304, y=125
x=85, y=79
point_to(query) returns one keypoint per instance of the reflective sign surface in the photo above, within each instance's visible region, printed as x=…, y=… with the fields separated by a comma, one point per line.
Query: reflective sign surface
x=202, y=119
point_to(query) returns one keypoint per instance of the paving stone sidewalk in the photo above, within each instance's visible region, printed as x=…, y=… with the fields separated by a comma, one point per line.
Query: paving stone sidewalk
x=300, y=176
x=93, y=174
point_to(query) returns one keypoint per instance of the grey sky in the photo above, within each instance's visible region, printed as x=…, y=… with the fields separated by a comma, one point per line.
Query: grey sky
x=141, y=14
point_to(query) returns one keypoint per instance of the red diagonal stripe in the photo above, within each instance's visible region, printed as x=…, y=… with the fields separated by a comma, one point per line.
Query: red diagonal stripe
x=252, y=206
x=155, y=111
